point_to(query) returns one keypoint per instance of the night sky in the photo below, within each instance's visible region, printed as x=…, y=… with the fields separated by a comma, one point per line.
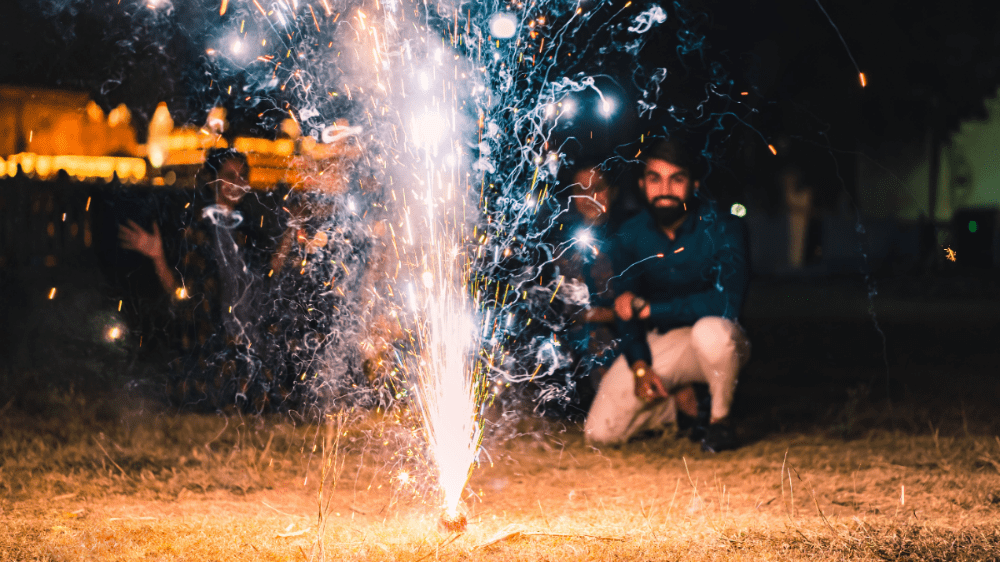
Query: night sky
x=928, y=64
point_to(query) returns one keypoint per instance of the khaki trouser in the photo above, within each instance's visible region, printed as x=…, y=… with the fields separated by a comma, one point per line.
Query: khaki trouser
x=711, y=351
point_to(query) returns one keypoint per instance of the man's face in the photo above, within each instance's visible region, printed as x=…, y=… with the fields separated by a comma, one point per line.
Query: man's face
x=591, y=194
x=230, y=184
x=666, y=185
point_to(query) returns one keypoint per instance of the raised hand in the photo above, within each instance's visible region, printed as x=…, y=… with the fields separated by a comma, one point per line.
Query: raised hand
x=131, y=236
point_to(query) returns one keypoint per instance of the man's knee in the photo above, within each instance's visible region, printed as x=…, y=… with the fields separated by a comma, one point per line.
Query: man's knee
x=715, y=336
x=597, y=434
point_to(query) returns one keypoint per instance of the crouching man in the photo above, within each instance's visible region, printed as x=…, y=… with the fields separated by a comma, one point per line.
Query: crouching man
x=681, y=275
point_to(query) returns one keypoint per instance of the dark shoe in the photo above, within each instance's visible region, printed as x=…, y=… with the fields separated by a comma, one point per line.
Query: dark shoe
x=696, y=428
x=720, y=436
x=692, y=428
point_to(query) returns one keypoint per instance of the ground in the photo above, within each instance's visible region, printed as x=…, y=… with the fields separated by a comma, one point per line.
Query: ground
x=159, y=486
x=866, y=437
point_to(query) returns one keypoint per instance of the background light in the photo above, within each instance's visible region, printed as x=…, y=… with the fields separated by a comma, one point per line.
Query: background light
x=113, y=333
x=738, y=209
x=503, y=25
x=568, y=107
x=606, y=107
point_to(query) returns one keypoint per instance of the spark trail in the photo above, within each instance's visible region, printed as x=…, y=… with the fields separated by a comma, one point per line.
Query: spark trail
x=462, y=112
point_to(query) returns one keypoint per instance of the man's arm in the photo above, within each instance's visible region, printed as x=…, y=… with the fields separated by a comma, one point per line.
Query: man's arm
x=631, y=330
x=729, y=275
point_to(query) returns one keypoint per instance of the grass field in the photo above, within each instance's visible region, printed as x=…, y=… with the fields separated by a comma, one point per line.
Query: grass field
x=92, y=482
x=862, y=441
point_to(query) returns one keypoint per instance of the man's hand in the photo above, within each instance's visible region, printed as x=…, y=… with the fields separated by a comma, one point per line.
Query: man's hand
x=623, y=306
x=599, y=314
x=648, y=386
x=624, y=310
x=134, y=237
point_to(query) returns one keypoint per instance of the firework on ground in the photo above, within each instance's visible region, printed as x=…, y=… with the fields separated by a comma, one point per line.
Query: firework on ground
x=451, y=123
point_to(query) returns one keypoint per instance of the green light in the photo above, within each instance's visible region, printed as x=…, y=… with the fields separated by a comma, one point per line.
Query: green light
x=973, y=226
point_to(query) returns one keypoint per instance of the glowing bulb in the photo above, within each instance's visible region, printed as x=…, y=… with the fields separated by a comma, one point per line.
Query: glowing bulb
x=607, y=107
x=738, y=209
x=550, y=111
x=428, y=279
x=585, y=237
x=236, y=47
x=113, y=333
x=568, y=107
x=425, y=81
x=503, y=25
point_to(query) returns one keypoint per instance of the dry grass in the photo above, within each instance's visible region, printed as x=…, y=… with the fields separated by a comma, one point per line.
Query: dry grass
x=155, y=486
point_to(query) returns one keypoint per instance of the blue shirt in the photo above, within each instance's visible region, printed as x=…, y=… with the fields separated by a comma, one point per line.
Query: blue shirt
x=702, y=272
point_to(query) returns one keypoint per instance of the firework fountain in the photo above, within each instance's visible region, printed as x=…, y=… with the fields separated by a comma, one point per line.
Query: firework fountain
x=457, y=108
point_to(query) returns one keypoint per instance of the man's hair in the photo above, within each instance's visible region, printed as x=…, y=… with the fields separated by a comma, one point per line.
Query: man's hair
x=217, y=157
x=673, y=152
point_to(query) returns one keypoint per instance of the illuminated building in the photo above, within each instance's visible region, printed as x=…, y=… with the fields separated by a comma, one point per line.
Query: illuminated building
x=45, y=131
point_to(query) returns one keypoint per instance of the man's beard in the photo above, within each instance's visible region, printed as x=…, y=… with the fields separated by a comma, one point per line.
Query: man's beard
x=667, y=216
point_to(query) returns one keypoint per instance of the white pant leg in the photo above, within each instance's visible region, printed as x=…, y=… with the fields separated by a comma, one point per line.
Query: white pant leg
x=712, y=351
x=721, y=349
x=617, y=414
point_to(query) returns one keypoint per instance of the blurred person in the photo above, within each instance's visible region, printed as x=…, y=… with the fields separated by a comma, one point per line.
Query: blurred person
x=314, y=313
x=216, y=289
x=681, y=276
x=801, y=224
x=588, y=261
